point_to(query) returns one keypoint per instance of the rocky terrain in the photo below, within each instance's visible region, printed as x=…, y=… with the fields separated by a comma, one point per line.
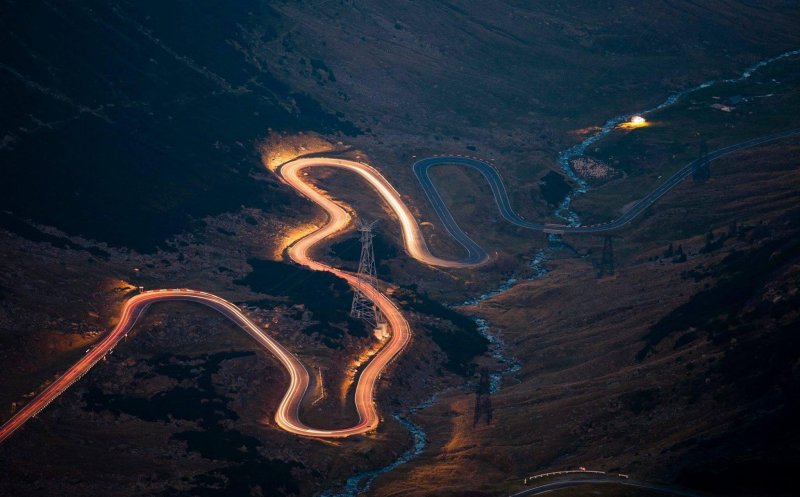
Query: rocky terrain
x=136, y=142
x=675, y=369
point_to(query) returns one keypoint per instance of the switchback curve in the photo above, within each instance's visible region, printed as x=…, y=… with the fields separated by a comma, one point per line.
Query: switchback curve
x=287, y=414
x=476, y=254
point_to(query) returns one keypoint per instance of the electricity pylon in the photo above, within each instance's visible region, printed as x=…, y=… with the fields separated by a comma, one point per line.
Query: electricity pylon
x=363, y=307
x=607, y=262
x=483, y=399
x=702, y=169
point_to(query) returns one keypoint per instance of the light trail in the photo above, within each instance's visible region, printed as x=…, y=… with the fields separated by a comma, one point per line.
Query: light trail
x=287, y=415
x=339, y=218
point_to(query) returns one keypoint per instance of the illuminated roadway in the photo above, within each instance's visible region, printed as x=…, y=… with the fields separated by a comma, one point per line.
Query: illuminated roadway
x=415, y=245
x=287, y=415
x=132, y=309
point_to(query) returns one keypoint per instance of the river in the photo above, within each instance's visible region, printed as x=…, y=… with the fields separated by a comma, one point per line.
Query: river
x=361, y=482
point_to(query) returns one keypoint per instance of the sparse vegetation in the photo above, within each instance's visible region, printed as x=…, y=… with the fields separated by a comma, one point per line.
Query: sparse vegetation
x=240, y=455
x=123, y=125
x=326, y=296
x=460, y=340
x=554, y=188
x=740, y=276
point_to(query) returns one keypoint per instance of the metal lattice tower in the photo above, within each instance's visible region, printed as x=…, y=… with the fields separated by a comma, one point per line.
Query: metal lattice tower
x=483, y=399
x=363, y=307
x=607, y=262
x=702, y=168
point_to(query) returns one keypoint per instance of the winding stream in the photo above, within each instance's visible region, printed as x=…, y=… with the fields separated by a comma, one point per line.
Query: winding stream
x=361, y=482
x=565, y=158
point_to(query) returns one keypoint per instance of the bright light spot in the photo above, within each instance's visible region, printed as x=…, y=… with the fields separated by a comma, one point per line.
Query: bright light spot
x=635, y=122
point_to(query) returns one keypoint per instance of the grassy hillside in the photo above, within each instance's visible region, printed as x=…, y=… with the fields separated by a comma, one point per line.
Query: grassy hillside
x=673, y=371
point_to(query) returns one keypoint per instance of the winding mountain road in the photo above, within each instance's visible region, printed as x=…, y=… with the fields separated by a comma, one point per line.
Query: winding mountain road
x=577, y=482
x=476, y=254
x=287, y=416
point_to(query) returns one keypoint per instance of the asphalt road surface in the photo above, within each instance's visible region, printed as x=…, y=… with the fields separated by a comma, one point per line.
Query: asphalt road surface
x=287, y=413
x=577, y=482
x=338, y=219
x=476, y=255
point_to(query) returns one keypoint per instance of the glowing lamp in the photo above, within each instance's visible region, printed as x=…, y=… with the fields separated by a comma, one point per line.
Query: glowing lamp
x=635, y=122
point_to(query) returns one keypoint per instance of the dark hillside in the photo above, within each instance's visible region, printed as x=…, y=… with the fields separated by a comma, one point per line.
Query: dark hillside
x=124, y=121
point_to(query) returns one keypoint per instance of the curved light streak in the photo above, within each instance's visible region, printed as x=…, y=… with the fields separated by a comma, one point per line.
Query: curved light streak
x=287, y=415
x=339, y=218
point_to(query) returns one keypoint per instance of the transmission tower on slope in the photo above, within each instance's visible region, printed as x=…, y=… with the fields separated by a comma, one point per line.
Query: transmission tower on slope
x=702, y=169
x=607, y=262
x=363, y=307
x=483, y=399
